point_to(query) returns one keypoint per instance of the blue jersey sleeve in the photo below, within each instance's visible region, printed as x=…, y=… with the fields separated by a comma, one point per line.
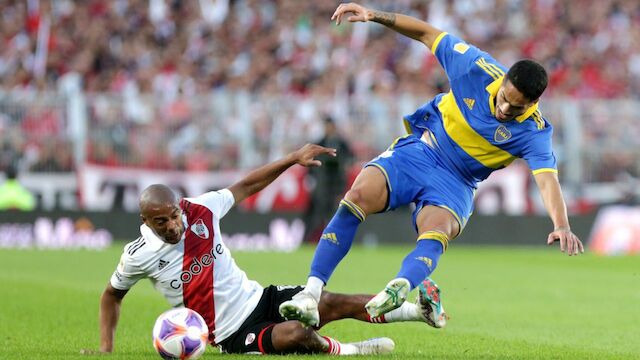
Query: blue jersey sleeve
x=539, y=152
x=456, y=56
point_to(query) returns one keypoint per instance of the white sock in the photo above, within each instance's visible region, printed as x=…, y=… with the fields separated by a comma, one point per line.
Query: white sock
x=338, y=348
x=314, y=287
x=406, y=312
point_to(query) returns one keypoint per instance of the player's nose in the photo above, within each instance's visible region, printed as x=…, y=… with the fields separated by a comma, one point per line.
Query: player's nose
x=504, y=109
x=174, y=227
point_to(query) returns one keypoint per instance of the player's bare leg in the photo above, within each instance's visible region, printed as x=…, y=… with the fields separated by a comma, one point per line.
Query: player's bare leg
x=436, y=226
x=367, y=195
x=427, y=308
x=437, y=219
x=334, y=307
x=294, y=337
x=369, y=190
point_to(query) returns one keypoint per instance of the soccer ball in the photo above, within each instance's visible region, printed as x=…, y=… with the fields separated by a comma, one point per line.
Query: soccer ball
x=180, y=334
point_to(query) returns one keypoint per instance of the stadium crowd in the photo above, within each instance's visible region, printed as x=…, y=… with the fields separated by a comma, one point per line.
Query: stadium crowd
x=158, y=74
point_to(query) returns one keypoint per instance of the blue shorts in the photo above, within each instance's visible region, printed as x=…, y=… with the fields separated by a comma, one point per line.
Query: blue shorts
x=415, y=174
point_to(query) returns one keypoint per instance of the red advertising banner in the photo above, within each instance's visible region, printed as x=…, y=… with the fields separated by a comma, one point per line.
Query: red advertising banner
x=105, y=188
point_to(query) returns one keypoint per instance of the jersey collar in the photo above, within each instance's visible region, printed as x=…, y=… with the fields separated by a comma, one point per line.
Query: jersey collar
x=154, y=241
x=493, y=88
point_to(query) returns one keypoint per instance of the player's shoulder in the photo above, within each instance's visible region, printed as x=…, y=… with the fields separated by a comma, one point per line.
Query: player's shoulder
x=135, y=248
x=213, y=200
x=466, y=52
x=536, y=124
x=207, y=197
x=486, y=70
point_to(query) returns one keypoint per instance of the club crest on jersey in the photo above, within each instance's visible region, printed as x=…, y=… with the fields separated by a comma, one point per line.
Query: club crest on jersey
x=251, y=337
x=200, y=229
x=502, y=134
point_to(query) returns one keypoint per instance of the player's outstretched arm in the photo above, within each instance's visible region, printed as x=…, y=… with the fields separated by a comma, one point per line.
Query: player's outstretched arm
x=258, y=179
x=554, y=203
x=109, y=314
x=405, y=25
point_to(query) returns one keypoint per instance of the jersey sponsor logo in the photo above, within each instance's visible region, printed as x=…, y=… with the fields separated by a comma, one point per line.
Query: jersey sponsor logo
x=175, y=284
x=251, y=337
x=502, y=134
x=469, y=102
x=198, y=264
x=162, y=264
x=200, y=229
x=460, y=47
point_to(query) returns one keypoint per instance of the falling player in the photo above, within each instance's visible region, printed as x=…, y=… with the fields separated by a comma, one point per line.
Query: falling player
x=488, y=119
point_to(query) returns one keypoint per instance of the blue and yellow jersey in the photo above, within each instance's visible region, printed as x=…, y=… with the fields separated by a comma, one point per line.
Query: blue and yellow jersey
x=461, y=124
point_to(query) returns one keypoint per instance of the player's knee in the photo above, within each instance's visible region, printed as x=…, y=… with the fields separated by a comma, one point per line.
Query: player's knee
x=432, y=218
x=328, y=299
x=293, y=336
x=451, y=228
x=300, y=335
x=328, y=306
x=369, y=201
x=355, y=195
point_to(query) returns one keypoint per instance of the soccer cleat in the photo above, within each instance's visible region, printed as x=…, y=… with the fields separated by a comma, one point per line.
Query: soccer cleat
x=392, y=297
x=302, y=307
x=429, y=302
x=374, y=346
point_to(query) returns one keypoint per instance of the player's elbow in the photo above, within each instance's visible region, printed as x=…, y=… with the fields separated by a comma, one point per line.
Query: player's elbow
x=111, y=294
x=427, y=40
x=240, y=191
x=429, y=36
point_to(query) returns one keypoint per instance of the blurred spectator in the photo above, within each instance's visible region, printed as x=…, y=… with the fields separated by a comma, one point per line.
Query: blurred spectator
x=33, y=133
x=53, y=157
x=327, y=181
x=290, y=47
x=217, y=84
x=13, y=196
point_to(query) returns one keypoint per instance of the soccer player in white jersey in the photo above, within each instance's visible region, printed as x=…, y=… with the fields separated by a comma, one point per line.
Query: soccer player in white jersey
x=182, y=252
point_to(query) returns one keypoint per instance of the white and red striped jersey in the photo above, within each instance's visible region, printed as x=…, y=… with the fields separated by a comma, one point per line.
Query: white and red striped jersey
x=198, y=272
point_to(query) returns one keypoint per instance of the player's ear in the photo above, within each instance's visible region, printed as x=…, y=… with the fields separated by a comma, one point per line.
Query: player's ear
x=144, y=220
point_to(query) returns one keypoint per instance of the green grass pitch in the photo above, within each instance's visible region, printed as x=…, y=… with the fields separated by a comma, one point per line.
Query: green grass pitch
x=504, y=303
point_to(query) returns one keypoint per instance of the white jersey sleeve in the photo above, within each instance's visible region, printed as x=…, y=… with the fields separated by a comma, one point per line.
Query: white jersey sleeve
x=128, y=272
x=219, y=202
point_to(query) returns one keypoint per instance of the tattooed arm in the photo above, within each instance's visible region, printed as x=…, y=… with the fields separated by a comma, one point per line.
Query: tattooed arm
x=405, y=25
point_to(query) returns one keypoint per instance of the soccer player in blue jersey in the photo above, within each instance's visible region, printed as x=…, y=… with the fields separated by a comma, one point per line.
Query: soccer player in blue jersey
x=488, y=119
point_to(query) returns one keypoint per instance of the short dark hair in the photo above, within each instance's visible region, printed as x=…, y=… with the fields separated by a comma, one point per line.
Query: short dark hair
x=529, y=77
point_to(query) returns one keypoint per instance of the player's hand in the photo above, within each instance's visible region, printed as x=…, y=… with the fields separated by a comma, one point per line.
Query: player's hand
x=360, y=13
x=306, y=155
x=569, y=242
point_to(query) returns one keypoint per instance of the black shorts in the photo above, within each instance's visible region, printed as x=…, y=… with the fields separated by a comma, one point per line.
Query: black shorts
x=254, y=335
